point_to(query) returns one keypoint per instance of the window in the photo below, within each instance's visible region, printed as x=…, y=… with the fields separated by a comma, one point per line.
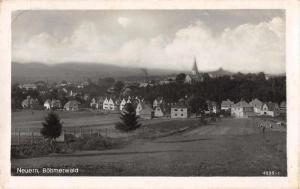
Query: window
x=175, y=114
x=175, y=110
x=181, y=109
x=182, y=115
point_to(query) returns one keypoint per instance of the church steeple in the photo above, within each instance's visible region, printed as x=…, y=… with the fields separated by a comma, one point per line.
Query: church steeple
x=195, y=68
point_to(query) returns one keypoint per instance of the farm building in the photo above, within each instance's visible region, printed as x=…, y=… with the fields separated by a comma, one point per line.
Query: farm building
x=242, y=110
x=72, y=105
x=146, y=112
x=179, y=110
x=158, y=112
x=270, y=109
x=257, y=105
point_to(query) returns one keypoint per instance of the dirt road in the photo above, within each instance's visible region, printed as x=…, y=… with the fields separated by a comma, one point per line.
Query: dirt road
x=231, y=147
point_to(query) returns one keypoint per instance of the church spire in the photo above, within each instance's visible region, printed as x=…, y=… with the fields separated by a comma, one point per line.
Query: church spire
x=195, y=68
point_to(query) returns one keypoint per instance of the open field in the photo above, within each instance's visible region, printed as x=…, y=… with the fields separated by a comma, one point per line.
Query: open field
x=230, y=147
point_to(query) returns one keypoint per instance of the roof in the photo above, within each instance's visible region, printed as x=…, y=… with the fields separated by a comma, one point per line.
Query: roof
x=271, y=106
x=195, y=67
x=283, y=104
x=242, y=104
x=256, y=102
x=227, y=103
x=178, y=105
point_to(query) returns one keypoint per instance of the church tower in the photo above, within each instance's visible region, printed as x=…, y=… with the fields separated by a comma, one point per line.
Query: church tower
x=195, y=68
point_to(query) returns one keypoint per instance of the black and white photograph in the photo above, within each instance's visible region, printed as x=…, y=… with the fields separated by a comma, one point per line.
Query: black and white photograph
x=148, y=93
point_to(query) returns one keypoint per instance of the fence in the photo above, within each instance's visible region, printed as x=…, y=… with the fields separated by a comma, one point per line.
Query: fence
x=33, y=135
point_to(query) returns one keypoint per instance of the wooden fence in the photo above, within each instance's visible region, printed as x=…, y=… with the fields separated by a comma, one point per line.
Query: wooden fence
x=33, y=135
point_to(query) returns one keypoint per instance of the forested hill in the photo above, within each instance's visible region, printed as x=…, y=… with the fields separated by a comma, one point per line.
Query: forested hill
x=32, y=72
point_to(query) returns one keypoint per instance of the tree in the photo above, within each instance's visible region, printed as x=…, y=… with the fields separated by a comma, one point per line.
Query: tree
x=180, y=78
x=52, y=128
x=118, y=87
x=129, y=119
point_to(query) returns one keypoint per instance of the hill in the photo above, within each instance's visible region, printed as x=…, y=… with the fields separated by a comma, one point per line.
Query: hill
x=31, y=72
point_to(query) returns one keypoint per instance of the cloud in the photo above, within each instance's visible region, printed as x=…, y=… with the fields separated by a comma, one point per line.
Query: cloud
x=247, y=48
x=123, y=21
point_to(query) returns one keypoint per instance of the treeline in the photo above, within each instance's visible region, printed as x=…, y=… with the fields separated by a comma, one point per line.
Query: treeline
x=236, y=87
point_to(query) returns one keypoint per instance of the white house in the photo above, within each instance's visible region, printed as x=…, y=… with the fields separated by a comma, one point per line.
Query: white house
x=158, y=112
x=122, y=104
x=257, y=105
x=242, y=110
x=179, y=111
x=270, y=109
x=105, y=104
x=138, y=109
x=47, y=104
x=111, y=104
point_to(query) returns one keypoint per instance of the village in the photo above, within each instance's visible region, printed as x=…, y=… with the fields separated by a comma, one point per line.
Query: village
x=69, y=97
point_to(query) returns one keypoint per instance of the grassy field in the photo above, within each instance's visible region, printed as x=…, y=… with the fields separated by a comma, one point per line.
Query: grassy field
x=230, y=147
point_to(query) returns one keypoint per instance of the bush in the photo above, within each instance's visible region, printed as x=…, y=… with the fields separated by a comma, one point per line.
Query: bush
x=32, y=150
x=93, y=143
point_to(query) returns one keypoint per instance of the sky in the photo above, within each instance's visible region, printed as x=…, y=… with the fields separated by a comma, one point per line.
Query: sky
x=236, y=40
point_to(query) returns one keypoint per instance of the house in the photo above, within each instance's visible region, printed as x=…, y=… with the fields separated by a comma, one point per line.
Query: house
x=179, y=110
x=55, y=104
x=47, y=104
x=226, y=105
x=30, y=103
x=105, y=104
x=242, y=110
x=157, y=102
x=283, y=107
x=94, y=104
x=257, y=105
x=138, y=108
x=29, y=86
x=100, y=101
x=158, y=112
x=111, y=105
x=122, y=104
x=146, y=112
x=270, y=109
x=212, y=106
x=72, y=105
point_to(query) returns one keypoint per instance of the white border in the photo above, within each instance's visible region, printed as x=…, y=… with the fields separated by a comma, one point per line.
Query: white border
x=292, y=56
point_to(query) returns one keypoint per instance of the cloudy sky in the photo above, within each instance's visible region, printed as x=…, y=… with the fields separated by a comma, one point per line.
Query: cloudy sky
x=236, y=40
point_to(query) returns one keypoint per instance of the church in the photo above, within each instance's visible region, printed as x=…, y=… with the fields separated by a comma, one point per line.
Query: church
x=194, y=76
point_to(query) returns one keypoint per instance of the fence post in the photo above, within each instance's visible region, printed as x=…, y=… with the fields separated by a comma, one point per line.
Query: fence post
x=98, y=132
x=91, y=131
x=81, y=131
x=106, y=132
